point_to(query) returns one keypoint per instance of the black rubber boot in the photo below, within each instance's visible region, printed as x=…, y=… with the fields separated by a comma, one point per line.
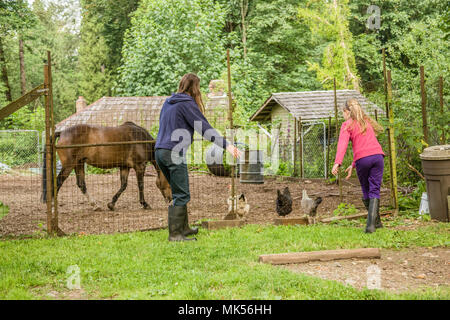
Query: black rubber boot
x=378, y=223
x=187, y=231
x=372, y=215
x=177, y=224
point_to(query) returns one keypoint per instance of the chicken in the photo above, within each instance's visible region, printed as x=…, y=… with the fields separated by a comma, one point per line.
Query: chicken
x=309, y=206
x=284, y=202
x=241, y=208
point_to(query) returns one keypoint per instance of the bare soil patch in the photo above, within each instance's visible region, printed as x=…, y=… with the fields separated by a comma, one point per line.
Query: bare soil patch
x=27, y=215
x=400, y=270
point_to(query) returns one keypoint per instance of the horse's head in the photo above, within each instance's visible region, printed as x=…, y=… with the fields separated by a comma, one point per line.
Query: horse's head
x=164, y=186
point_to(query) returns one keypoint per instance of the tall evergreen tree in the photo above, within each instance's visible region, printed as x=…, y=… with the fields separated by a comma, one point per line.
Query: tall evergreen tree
x=329, y=20
x=102, y=29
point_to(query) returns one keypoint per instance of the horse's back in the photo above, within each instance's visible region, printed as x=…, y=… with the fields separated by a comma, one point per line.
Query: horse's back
x=105, y=156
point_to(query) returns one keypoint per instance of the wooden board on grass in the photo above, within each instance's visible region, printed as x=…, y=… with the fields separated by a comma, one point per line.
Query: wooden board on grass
x=350, y=217
x=219, y=224
x=290, y=221
x=325, y=255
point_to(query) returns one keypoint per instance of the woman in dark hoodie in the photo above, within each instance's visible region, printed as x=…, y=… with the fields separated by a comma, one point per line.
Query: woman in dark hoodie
x=181, y=114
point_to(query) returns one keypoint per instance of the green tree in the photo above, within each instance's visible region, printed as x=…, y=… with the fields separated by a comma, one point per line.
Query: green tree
x=54, y=29
x=102, y=29
x=168, y=39
x=329, y=20
x=413, y=35
x=15, y=18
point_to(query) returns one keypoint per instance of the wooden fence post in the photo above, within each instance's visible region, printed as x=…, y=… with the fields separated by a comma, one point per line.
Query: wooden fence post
x=337, y=136
x=328, y=146
x=295, y=147
x=230, y=118
x=393, y=157
x=48, y=153
x=441, y=104
x=386, y=100
x=300, y=129
x=424, y=105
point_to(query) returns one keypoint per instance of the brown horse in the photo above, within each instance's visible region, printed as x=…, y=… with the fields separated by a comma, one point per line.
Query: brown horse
x=125, y=157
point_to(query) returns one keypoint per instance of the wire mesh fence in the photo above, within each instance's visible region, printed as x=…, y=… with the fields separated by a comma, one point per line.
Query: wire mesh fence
x=20, y=182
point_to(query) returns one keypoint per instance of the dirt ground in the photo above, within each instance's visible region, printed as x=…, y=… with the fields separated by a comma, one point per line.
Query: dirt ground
x=208, y=201
x=398, y=270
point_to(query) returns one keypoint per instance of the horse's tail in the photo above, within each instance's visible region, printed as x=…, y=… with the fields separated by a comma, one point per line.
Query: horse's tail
x=44, y=170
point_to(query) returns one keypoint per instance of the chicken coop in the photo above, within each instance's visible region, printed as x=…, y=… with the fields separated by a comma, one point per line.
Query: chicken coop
x=303, y=125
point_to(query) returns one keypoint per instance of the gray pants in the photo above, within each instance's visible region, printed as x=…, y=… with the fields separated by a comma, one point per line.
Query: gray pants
x=176, y=175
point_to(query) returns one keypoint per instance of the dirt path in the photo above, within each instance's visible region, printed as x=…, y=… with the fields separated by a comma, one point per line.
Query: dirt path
x=399, y=270
x=209, y=196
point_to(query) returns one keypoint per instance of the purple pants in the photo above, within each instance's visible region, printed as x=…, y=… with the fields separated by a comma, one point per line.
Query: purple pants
x=370, y=175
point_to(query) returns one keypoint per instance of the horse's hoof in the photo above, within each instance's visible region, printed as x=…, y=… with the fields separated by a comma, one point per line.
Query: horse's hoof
x=111, y=206
x=146, y=206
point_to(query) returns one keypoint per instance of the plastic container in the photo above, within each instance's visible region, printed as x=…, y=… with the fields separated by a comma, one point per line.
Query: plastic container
x=424, y=208
x=436, y=169
x=252, y=167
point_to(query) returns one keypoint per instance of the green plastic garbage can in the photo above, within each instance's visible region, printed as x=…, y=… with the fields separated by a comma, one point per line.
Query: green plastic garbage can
x=436, y=168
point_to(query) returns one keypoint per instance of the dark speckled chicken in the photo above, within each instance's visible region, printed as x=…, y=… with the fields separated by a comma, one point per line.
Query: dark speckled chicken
x=284, y=202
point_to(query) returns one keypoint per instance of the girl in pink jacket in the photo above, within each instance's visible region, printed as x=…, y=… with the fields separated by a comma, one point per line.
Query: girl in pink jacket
x=368, y=157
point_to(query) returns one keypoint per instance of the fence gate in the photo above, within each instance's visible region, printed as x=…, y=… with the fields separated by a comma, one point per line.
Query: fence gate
x=314, y=152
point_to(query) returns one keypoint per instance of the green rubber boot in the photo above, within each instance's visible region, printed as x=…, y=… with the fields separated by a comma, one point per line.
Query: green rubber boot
x=372, y=215
x=177, y=219
x=187, y=231
x=378, y=223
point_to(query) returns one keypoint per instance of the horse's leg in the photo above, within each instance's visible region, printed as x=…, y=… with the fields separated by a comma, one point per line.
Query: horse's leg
x=81, y=183
x=123, y=185
x=140, y=170
x=62, y=176
x=162, y=184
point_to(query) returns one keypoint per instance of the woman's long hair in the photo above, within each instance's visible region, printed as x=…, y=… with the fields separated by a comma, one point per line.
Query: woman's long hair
x=190, y=84
x=357, y=115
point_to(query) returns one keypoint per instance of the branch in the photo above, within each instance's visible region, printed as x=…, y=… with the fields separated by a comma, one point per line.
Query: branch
x=415, y=170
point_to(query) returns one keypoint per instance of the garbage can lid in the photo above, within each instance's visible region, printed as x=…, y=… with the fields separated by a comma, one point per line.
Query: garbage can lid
x=441, y=152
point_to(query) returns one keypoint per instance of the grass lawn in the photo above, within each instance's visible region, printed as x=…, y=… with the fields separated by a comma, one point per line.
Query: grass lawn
x=222, y=264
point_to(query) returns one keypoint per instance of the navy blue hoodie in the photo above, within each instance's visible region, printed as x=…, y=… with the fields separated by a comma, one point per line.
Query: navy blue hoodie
x=180, y=111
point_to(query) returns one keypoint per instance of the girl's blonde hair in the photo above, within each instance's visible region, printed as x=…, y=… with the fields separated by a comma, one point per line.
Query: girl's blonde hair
x=190, y=84
x=357, y=115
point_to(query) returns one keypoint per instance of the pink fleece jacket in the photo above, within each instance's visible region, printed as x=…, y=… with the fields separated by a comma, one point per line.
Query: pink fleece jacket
x=363, y=145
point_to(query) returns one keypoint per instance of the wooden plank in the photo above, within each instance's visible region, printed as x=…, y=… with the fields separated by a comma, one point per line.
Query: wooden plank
x=220, y=224
x=22, y=101
x=326, y=255
x=350, y=217
x=290, y=221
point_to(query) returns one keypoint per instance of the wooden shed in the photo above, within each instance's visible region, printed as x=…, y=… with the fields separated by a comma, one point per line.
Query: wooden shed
x=281, y=110
x=144, y=111
x=309, y=105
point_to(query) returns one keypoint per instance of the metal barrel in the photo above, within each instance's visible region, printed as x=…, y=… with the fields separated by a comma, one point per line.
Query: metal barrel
x=252, y=167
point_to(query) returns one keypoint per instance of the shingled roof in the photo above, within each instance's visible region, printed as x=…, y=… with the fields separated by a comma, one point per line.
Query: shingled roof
x=113, y=111
x=311, y=105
